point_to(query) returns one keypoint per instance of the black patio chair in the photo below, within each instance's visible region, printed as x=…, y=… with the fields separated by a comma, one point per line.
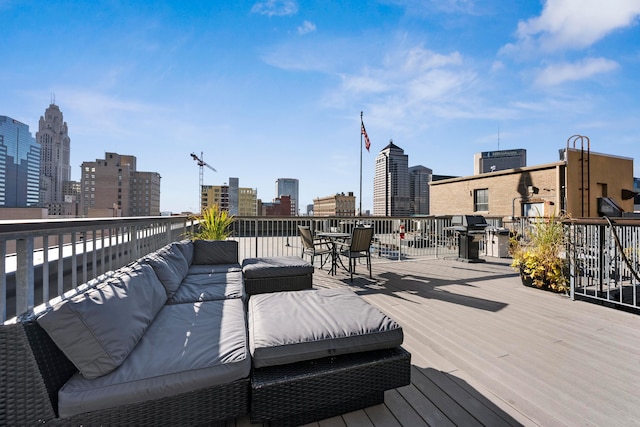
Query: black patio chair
x=358, y=246
x=315, y=246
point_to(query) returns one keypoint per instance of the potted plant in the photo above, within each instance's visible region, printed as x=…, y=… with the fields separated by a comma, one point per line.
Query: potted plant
x=540, y=255
x=213, y=224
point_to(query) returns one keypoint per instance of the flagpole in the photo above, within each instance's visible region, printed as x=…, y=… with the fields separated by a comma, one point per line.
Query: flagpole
x=361, y=124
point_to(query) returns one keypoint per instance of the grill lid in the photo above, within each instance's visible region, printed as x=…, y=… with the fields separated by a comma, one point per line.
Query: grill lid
x=469, y=222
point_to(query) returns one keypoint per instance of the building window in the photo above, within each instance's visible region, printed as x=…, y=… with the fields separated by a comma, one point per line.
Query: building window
x=481, y=200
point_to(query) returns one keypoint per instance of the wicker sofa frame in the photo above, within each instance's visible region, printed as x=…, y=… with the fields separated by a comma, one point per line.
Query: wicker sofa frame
x=277, y=284
x=304, y=392
x=34, y=369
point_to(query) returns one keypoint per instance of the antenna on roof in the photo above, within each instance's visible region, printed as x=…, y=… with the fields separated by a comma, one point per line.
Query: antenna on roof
x=498, y=138
x=53, y=98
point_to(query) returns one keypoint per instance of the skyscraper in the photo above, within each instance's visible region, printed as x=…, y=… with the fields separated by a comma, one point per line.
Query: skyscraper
x=288, y=187
x=391, y=182
x=55, y=167
x=419, y=178
x=19, y=165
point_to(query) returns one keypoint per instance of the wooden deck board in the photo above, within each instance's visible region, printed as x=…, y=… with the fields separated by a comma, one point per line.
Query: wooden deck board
x=488, y=351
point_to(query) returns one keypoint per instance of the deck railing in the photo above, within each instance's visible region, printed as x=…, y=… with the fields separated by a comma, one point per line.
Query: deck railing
x=604, y=257
x=42, y=259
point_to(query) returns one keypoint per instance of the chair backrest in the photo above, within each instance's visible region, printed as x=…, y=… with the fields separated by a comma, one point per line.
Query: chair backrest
x=361, y=239
x=306, y=236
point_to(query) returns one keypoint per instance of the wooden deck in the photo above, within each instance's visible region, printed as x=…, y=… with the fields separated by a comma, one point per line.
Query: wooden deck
x=488, y=351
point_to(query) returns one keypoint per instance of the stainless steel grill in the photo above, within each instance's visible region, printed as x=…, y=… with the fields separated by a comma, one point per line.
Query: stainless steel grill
x=470, y=229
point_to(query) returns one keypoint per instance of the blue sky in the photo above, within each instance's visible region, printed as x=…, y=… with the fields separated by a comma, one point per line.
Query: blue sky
x=274, y=88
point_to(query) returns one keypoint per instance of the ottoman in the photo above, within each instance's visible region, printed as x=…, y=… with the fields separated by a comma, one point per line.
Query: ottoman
x=275, y=274
x=321, y=353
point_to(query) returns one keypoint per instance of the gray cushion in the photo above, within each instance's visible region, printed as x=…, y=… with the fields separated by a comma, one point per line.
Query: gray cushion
x=287, y=327
x=258, y=268
x=209, y=287
x=213, y=268
x=188, y=347
x=170, y=265
x=215, y=252
x=186, y=247
x=98, y=328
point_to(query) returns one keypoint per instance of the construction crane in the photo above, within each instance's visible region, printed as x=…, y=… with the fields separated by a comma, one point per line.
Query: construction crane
x=201, y=163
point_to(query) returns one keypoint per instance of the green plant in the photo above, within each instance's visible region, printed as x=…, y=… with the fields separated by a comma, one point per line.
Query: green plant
x=213, y=224
x=539, y=255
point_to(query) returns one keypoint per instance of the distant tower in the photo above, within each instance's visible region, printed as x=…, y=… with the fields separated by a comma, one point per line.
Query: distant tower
x=391, y=182
x=419, y=178
x=19, y=165
x=55, y=167
x=288, y=187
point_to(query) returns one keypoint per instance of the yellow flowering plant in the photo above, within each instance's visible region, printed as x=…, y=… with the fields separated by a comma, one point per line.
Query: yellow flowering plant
x=539, y=255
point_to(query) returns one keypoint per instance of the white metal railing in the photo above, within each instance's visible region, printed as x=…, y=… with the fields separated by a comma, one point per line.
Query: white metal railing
x=269, y=236
x=604, y=257
x=42, y=259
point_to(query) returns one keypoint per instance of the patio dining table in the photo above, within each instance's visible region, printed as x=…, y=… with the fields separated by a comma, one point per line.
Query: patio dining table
x=335, y=258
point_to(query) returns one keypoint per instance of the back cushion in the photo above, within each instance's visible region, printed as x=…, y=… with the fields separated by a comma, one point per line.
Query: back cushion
x=170, y=265
x=215, y=252
x=98, y=328
x=186, y=247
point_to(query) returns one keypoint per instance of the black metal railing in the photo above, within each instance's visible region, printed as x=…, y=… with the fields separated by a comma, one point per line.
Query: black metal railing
x=604, y=261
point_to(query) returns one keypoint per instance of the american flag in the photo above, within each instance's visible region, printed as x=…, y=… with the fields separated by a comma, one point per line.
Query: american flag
x=367, y=143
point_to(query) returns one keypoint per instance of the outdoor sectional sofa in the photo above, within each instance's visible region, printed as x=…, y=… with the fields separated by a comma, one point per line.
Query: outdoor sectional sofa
x=169, y=339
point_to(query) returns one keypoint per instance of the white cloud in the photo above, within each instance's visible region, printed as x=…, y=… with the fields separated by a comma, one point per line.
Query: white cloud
x=411, y=88
x=306, y=27
x=497, y=66
x=275, y=7
x=559, y=73
x=573, y=24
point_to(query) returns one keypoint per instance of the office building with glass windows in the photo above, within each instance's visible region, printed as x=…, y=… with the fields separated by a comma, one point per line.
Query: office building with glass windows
x=419, y=179
x=19, y=165
x=288, y=187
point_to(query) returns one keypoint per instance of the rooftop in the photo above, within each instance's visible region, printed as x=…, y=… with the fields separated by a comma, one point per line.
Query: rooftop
x=488, y=351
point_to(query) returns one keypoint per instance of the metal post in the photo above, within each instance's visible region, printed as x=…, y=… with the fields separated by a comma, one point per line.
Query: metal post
x=24, y=275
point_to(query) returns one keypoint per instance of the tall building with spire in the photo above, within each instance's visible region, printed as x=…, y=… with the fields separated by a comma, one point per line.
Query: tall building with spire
x=55, y=167
x=391, y=195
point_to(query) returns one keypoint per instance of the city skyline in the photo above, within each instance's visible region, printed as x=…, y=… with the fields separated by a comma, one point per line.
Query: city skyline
x=275, y=88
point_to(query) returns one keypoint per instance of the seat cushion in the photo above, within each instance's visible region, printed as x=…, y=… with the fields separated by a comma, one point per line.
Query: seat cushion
x=98, y=328
x=259, y=268
x=215, y=252
x=209, y=287
x=288, y=327
x=188, y=347
x=170, y=265
x=213, y=268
